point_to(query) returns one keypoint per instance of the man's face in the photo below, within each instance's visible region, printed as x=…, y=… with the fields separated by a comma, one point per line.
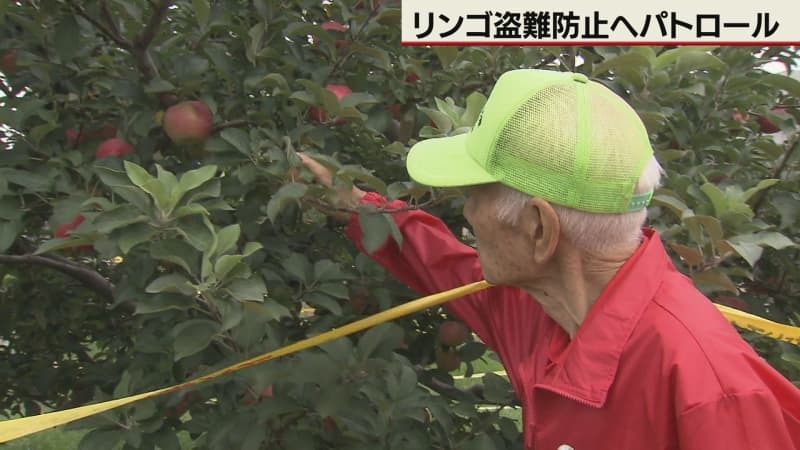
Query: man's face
x=503, y=249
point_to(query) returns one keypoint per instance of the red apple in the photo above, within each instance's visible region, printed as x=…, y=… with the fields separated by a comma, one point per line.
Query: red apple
x=75, y=136
x=72, y=135
x=251, y=399
x=766, y=125
x=397, y=111
x=65, y=229
x=187, y=122
x=340, y=91
x=334, y=26
x=329, y=425
x=453, y=333
x=113, y=147
x=448, y=360
x=8, y=62
x=411, y=77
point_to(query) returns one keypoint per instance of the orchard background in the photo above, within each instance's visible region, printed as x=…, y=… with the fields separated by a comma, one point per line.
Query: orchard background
x=140, y=247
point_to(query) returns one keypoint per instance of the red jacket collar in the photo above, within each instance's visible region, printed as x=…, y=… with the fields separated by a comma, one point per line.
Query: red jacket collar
x=586, y=369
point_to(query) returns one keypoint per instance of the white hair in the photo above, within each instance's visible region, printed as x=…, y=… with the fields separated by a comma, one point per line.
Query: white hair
x=593, y=233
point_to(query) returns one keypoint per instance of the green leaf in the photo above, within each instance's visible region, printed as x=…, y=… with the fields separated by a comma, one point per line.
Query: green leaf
x=191, y=180
x=250, y=290
x=173, y=282
x=376, y=230
x=288, y=193
x=336, y=290
x=238, y=138
x=385, y=336
x=60, y=244
x=772, y=239
x=8, y=234
x=197, y=234
x=211, y=189
x=250, y=248
x=158, y=86
x=163, y=302
x=232, y=314
x=119, y=217
x=750, y=252
x=67, y=37
x=358, y=98
x=670, y=56
x=717, y=198
x=276, y=310
x=788, y=84
x=698, y=60
x=201, y=11
x=193, y=336
x=298, y=267
x=189, y=210
x=479, y=442
x=120, y=184
x=133, y=235
x=99, y=439
x=446, y=54
x=225, y=264
x=441, y=120
x=496, y=388
x=475, y=103
x=323, y=301
x=227, y=238
x=10, y=209
x=716, y=280
x=379, y=57
x=692, y=256
x=327, y=270
x=148, y=183
x=178, y=252
x=763, y=184
x=167, y=178
x=630, y=61
x=711, y=225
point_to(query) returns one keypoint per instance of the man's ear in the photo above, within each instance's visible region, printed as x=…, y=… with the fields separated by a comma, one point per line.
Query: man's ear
x=542, y=228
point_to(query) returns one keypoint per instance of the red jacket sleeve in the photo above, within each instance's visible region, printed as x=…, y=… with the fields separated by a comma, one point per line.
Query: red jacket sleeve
x=753, y=420
x=432, y=260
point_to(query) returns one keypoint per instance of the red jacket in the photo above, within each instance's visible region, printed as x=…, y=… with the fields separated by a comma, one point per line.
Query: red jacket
x=653, y=366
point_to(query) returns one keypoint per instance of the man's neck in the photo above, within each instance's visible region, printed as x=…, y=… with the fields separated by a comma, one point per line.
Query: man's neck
x=574, y=283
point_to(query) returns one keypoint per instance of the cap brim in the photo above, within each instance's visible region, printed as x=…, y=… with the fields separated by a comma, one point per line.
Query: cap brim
x=444, y=162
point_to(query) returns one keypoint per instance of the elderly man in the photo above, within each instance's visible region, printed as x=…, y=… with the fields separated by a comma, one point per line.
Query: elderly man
x=607, y=345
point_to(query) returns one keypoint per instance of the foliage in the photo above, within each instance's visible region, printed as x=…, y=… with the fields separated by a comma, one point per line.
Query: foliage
x=209, y=252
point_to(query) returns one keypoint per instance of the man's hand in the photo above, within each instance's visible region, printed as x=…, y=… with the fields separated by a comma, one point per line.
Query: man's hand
x=346, y=198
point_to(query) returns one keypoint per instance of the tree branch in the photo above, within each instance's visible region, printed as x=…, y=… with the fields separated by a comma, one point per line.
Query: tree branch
x=790, y=149
x=88, y=277
x=324, y=207
x=229, y=124
x=105, y=12
x=116, y=38
x=448, y=390
x=147, y=35
x=5, y=90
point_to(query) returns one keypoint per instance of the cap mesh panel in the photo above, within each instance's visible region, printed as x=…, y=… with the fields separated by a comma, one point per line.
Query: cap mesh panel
x=536, y=149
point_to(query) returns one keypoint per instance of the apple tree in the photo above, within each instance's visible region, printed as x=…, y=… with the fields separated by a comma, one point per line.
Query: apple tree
x=156, y=223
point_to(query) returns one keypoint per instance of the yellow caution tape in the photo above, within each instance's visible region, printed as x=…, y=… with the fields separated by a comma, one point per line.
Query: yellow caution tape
x=17, y=428
x=761, y=325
